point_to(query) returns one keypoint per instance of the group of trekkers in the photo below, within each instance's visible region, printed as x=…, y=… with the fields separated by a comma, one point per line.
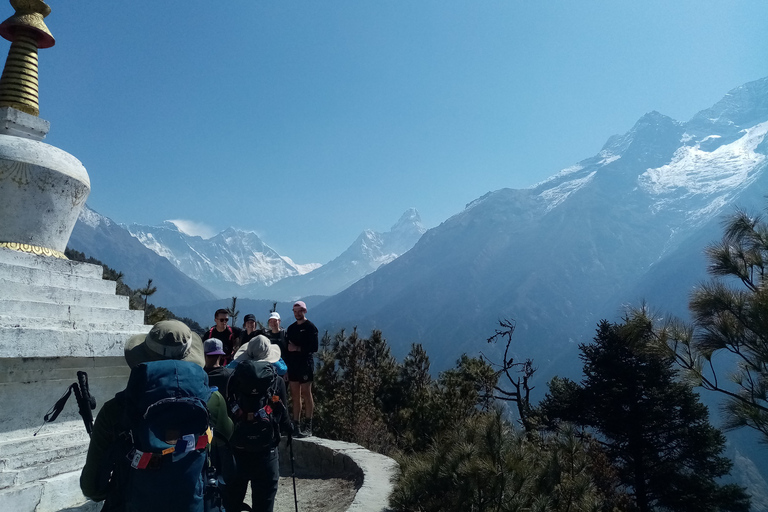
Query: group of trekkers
x=201, y=418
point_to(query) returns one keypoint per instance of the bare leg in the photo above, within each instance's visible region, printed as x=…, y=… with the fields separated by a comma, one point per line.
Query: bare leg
x=296, y=399
x=309, y=402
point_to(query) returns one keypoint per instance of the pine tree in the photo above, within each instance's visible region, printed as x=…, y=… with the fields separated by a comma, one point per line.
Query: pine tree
x=233, y=312
x=730, y=318
x=653, y=427
x=146, y=292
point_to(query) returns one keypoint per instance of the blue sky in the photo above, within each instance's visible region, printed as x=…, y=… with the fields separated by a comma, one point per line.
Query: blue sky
x=309, y=121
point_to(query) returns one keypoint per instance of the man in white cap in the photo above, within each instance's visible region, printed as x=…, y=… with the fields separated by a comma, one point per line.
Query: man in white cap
x=302, y=344
x=167, y=340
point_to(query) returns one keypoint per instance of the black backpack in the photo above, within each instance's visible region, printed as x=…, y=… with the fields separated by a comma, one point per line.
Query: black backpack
x=255, y=407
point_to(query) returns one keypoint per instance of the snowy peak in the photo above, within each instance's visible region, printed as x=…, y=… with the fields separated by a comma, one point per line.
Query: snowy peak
x=222, y=263
x=742, y=107
x=368, y=252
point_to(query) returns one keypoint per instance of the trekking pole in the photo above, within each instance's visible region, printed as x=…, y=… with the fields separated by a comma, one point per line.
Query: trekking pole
x=85, y=403
x=293, y=472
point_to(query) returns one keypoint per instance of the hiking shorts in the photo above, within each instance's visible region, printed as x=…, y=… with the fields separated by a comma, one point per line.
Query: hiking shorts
x=301, y=369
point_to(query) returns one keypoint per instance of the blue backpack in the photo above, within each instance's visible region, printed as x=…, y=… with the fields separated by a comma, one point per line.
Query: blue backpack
x=167, y=436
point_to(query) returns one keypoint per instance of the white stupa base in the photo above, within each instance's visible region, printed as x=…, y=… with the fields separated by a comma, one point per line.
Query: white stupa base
x=56, y=317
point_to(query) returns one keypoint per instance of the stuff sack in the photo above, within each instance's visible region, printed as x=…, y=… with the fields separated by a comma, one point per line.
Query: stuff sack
x=167, y=437
x=254, y=407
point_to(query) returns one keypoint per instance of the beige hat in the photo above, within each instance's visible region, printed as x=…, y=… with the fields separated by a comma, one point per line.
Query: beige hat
x=258, y=349
x=169, y=339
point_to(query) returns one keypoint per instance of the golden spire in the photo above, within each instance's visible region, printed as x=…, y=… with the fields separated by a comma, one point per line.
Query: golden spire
x=27, y=32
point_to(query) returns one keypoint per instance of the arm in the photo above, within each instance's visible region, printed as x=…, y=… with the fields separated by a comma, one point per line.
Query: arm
x=312, y=338
x=99, y=461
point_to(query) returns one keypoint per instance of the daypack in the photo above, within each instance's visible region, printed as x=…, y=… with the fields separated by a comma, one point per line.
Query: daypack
x=254, y=407
x=166, y=438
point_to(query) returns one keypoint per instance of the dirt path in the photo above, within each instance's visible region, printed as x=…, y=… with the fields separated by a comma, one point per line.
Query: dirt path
x=315, y=494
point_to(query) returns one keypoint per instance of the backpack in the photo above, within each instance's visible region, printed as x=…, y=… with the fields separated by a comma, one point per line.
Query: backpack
x=255, y=407
x=166, y=438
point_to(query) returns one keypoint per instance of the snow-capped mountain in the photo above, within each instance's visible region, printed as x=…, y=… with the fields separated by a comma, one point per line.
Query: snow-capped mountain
x=224, y=263
x=563, y=254
x=239, y=263
x=370, y=251
x=627, y=225
x=99, y=237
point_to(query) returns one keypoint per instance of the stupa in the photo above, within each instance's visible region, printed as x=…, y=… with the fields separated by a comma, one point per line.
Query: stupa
x=57, y=317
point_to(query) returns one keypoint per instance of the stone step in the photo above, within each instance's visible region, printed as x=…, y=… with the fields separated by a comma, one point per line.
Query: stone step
x=65, y=325
x=75, y=268
x=44, y=277
x=66, y=434
x=77, y=314
x=12, y=290
x=41, y=471
x=28, y=460
x=58, y=493
x=15, y=342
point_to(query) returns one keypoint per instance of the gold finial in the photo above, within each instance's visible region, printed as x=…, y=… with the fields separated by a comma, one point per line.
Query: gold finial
x=27, y=32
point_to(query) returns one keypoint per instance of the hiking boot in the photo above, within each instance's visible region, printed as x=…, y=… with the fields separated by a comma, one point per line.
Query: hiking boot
x=296, y=432
x=306, y=430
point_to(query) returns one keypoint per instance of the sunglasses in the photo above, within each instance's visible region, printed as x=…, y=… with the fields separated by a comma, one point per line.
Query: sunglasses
x=224, y=320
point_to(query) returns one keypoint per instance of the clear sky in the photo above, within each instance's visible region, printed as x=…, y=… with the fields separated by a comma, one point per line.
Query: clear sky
x=309, y=121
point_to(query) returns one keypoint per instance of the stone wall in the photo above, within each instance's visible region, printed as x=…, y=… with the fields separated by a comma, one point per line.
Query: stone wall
x=340, y=459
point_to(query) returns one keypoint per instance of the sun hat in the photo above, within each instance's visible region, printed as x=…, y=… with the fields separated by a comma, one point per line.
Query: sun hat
x=258, y=349
x=169, y=339
x=274, y=315
x=213, y=347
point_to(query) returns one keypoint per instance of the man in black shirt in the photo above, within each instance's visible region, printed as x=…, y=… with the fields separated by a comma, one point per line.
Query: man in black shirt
x=221, y=331
x=302, y=344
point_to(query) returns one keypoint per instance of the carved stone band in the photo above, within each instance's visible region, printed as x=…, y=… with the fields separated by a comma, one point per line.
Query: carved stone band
x=33, y=249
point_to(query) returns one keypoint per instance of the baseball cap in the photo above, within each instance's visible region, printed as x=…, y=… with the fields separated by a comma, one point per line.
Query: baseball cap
x=213, y=347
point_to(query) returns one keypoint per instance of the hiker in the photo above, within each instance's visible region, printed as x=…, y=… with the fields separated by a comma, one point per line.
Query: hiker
x=222, y=331
x=259, y=348
x=131, y=464
x=302, y=344
x=218, y=376
x=275, y=333
x=257, y=408
x=249, y=331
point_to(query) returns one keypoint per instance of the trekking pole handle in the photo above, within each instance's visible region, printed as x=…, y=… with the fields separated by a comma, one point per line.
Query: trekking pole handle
x=85, y=402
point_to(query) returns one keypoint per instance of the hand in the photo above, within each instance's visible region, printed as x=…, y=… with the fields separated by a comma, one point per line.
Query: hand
x=293, y=348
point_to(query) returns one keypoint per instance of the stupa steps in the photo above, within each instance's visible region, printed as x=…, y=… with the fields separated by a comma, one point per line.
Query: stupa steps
x=41, y=471
x=42, y=457
x=14, y=290
x=42, y=277
x=66, y=325
x=52, y=343
x=73, y=268
x=49, y=311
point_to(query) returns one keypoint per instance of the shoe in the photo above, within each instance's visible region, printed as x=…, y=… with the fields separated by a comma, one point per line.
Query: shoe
x=296, y=432
x=307, y=430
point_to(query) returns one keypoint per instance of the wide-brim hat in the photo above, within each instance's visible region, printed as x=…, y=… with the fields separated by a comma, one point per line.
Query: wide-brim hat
x=258, y=349
x=169, y=339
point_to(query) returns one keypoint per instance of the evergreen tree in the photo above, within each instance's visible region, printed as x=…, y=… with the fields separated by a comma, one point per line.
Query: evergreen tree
x=146, y=292
x=483, y=464
x=233, y=312
x=355, y=376
x=653, y=427
x=731, y=318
